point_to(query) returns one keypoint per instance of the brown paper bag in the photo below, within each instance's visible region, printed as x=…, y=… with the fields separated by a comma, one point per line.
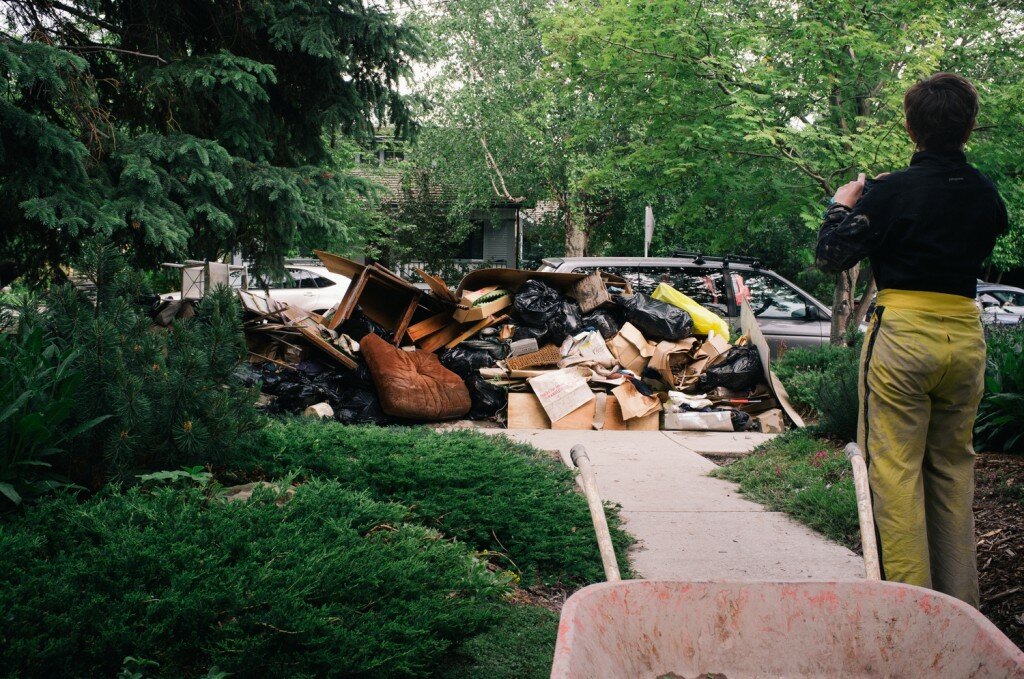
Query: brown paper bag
x=631, y=349
x=633, y=403
x=669, y=355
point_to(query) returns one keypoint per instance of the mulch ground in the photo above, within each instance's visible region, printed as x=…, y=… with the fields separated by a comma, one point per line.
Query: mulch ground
x=999, y=519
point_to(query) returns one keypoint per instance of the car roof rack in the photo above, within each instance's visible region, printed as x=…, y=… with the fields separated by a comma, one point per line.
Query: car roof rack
x=700, y=258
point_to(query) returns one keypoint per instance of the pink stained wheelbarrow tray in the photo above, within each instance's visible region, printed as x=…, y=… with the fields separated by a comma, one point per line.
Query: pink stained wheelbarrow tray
x=640, y=629
x=647, y=629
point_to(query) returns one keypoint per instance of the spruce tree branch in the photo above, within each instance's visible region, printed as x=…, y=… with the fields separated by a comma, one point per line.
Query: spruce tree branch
x=84, y=16
x=104, y=48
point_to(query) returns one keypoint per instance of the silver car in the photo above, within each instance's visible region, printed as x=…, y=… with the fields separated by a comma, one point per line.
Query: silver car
x=1001, y=304
x=788, y=316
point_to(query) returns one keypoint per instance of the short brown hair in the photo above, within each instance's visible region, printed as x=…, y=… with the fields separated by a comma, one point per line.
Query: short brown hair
x=941, y=110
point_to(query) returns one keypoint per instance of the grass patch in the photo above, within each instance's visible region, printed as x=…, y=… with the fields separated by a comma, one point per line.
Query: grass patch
x=805, y=477
x=521, y=646
x=511, y=502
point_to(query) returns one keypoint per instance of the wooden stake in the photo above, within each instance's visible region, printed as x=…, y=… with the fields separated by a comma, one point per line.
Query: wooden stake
x=579, y=457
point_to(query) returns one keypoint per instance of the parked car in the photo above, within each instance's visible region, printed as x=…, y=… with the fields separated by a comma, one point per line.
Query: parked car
x=1001, y=304
x=304, y=286
x=788, y=316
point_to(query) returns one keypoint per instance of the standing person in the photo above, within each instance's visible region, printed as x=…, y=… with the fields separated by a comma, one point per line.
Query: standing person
x=926, y=230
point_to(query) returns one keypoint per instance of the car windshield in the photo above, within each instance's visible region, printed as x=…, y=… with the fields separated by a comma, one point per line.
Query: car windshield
x=768, y=296
x=1008, y=297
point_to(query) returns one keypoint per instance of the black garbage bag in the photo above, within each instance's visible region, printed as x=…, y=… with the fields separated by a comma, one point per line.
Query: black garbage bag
x=357, y=406
x=568, y=320
x=294, y=391
x=536, y=303
x=740, y=420
x=359, y=325
x=466, y=359
x=656, y=320
x=488, y=398
x=529, y=332
x=603, y=322
x=740, y=370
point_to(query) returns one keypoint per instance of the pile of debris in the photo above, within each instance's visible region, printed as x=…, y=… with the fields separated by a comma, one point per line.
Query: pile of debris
x=535, y=349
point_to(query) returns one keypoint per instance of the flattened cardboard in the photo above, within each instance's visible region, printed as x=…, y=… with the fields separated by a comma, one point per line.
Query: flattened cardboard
x=750, y=328
x=560, y=392
x=511, y=279
x=437, y=286
x=631, y=349
x=525, y=412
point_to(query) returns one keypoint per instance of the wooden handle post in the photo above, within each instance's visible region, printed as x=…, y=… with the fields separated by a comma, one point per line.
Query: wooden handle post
x=579, y=457
x=872, y=570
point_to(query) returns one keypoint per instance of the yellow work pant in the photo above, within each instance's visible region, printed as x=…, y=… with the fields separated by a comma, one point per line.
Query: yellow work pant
x=922, y=376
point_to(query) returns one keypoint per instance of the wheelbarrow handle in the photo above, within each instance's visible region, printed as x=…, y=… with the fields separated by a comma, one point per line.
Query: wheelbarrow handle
x=579, y=457
x=868, y=541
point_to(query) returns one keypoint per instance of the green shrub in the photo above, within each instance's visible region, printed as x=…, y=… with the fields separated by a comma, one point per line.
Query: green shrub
x=822, y=381
x=1000, y=423
x=506, y=499
x=172, y=394
x=330, y=583
x=803, y=476
x=803, y=369
x=37, y=395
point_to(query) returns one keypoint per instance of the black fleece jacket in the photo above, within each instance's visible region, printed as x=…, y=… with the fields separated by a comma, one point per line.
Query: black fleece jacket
x=927, y=228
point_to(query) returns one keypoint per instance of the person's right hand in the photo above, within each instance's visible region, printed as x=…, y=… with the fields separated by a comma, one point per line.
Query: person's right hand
x=848, y=194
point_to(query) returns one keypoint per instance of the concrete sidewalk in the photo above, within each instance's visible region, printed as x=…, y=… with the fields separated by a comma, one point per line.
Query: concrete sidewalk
x=690, y=526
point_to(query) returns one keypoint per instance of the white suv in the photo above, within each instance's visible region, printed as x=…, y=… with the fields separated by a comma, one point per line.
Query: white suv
x=304, y=286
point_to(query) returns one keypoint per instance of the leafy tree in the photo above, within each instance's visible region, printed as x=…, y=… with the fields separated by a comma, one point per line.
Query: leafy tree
x=748, y=114
x=504, y=130
x=190, y=127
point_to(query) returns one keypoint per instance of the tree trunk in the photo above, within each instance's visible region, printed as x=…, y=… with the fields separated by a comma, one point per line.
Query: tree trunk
x=843, y=305
x=576, y=237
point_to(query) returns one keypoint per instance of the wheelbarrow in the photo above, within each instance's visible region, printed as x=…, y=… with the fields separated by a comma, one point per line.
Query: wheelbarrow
x=739, y=629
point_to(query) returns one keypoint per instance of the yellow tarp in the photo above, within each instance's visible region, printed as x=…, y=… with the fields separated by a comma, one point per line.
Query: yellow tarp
x=704, y=320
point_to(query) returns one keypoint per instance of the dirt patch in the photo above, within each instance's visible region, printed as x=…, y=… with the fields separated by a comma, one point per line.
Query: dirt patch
x=999, y=518
x=721, y=460
x=551, y=598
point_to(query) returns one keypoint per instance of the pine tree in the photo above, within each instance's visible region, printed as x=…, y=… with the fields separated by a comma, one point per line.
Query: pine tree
x=193, y=127
x=172, y=394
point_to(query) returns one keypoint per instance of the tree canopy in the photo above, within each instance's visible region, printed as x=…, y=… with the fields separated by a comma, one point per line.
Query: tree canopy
x=735, y=119
x=188, y=128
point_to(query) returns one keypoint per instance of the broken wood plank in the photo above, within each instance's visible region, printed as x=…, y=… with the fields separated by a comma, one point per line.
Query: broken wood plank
x=311, y=331
x=418, y=331
x=474, y=329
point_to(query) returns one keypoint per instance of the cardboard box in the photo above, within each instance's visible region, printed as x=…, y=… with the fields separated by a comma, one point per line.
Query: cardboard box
x=525, y=412
x=478, y=313
x=631, y=349
x=771, y=421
